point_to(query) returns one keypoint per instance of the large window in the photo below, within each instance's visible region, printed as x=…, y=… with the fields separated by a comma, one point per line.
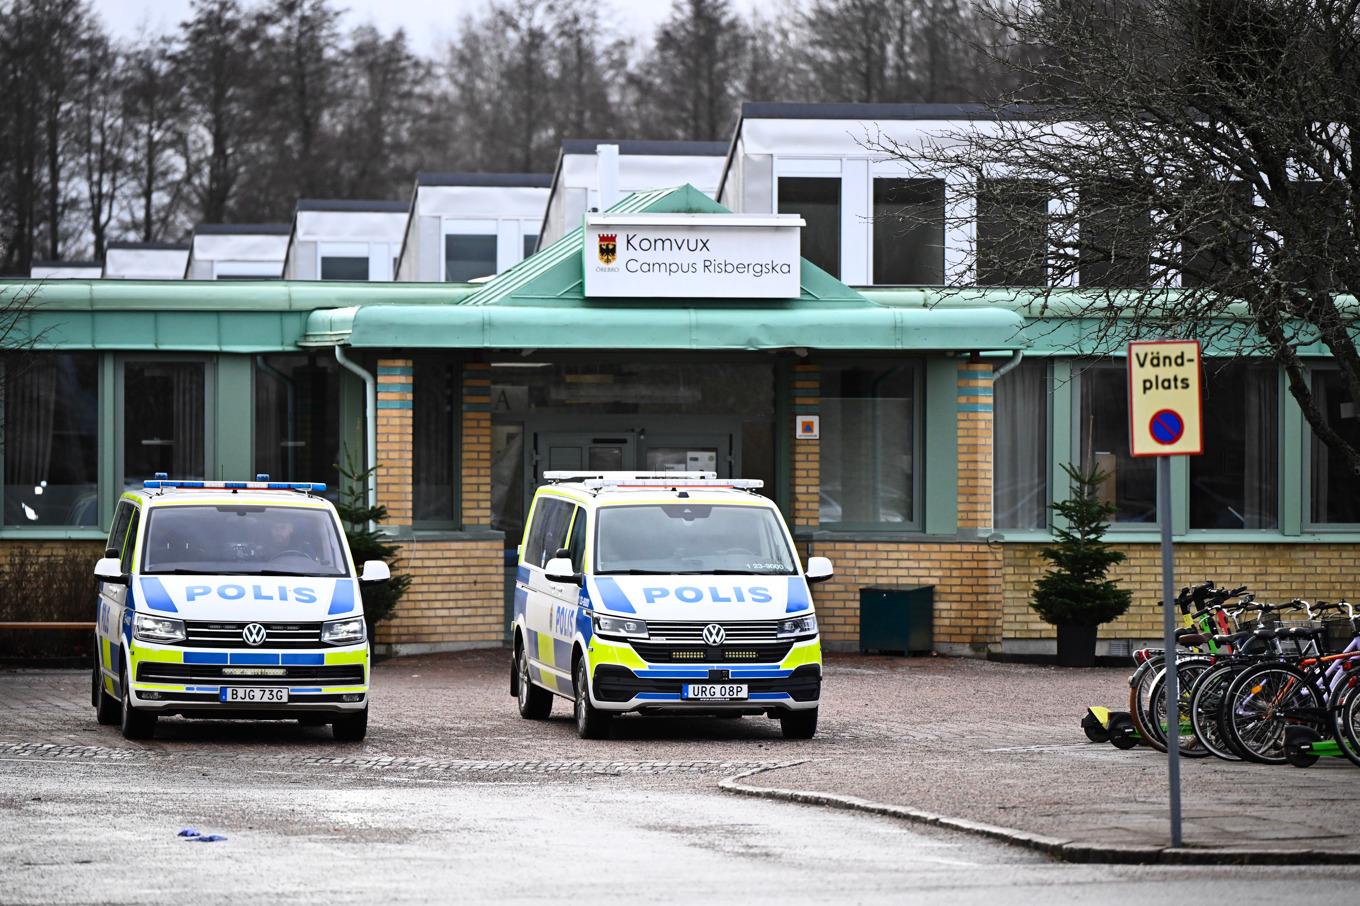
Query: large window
x=1116, y=240
x=468, y=256
x=297, y=417
x=164, y=420
x=51, y=432
x=1335, y=490
x=1213, y=246
x=868, y=446
x=1130, y=483
x=818, y=200
x=1020, y=447
x=1012, y=232
x=1234, y=484
x=909, y=231
x=437, y=411
x=344, y=268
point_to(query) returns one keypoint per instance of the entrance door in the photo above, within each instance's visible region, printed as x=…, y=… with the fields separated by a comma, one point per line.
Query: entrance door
x=577, y=451
x=164, y=425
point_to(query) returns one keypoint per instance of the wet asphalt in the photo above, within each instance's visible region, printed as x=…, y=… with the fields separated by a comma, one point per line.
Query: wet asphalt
x=454, y=799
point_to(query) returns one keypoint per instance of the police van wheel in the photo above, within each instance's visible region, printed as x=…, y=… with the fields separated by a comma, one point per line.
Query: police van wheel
x=534, y=703
x=105, y=705
x=591, y=722
x=799, y=724
x=352, y=728
x=135, y=724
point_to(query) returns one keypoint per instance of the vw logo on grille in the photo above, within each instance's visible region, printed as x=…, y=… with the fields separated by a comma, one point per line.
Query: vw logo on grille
x=714, y=634
x=254, y=634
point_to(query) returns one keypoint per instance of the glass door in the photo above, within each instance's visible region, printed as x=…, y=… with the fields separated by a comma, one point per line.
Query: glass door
x=577, y=451
x=164, y=419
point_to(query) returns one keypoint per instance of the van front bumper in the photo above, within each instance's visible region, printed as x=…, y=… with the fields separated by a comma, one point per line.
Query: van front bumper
x=169, y=679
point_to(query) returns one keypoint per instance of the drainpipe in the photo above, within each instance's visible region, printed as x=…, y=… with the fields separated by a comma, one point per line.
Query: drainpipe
x=607, y=174
x=370, y=421
x=1010, y=365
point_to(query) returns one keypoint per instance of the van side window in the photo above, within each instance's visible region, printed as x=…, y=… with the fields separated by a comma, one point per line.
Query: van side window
x=119, y=531
x=548, y=532
x=130, y=542
x=576, y=545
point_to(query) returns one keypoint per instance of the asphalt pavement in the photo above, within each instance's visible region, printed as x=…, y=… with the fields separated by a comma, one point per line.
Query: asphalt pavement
x=453, y=798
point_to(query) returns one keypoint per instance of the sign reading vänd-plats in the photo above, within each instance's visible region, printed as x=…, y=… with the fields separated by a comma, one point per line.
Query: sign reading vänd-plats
x=1164, y=398
x=694, y=256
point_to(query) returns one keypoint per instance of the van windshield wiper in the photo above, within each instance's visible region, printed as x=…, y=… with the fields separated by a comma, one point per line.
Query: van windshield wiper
x=641, y=572
x=182, y=571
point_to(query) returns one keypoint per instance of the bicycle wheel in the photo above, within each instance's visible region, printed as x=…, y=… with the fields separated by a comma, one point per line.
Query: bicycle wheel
x=1206, y=700
x=1139, y=686
x=1262, y=701
x=1188, y=673
x=1346, y=717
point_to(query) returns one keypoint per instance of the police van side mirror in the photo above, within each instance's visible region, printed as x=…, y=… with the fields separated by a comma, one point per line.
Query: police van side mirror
x=375, y=571
x=109, y=569
x=819, y=569
x=559, y=569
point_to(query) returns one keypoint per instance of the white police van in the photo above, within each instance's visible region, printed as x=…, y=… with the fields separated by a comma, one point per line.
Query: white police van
x=664, y=593
x=230, y=599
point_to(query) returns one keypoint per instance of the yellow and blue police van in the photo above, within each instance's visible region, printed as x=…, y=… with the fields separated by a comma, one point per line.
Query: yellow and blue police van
x=664, y=593
x=231, y=599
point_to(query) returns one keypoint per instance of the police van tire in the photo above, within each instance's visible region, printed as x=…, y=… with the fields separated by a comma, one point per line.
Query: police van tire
x=534, y=703
x=105, y=705
x=351, y=728
x=135, y=724
x=591, y=722
x=799, y=724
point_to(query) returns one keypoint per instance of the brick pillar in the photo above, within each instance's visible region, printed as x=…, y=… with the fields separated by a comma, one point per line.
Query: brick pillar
x=975, y=448
x=394, y=439
x=475, y=462
x=807, y=454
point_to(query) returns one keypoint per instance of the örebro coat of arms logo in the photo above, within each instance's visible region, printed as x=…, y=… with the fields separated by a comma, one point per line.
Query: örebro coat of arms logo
x=609, y=248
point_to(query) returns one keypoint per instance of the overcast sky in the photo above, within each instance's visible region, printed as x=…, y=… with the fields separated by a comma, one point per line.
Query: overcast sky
x=427, y=22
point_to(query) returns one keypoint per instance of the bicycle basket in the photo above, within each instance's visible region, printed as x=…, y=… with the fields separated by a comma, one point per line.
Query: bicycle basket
x=1340, y=633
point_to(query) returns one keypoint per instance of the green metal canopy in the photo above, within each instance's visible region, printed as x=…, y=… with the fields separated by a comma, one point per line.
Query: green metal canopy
x=541, y=304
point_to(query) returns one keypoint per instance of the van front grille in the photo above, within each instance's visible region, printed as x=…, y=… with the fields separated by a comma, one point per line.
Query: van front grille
x=654, y=652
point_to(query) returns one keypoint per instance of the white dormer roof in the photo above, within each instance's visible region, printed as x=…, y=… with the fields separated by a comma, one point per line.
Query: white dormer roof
x=238, y=251
x=145, y=261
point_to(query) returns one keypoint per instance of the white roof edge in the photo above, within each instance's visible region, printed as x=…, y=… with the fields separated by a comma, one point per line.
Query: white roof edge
x=751, y=220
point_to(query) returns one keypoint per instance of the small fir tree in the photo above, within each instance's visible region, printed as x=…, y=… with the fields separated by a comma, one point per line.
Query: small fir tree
x=367, y=543
x=1075, y=591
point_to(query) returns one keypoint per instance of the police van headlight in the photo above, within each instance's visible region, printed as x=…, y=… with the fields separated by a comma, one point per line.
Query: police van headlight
x=797, y=628
x=619, y=627
x=146, y=628
x=344, y=632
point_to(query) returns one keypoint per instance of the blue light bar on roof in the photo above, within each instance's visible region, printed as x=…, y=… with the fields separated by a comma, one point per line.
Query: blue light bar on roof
x=312, y=486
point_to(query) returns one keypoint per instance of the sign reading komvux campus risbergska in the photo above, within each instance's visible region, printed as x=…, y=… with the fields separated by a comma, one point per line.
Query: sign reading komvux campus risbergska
x=696, y=256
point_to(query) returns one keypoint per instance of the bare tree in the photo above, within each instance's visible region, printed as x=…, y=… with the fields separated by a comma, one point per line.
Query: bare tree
x=153, y=109
x=1191, y=172
x=101, y=135
x=688, y=86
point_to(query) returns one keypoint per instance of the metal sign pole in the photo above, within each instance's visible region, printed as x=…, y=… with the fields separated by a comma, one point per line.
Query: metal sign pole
x=1172, y=685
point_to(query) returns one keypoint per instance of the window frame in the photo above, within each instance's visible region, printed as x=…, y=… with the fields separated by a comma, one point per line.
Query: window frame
x=119, y=434
x=1179, y=469
x=916, y=524
x=1309, y=524
x=455, y=522
x=875, y=223
x=1052, y=401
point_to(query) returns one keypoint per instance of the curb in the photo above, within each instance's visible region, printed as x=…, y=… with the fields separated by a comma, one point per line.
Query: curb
x=1063, y=850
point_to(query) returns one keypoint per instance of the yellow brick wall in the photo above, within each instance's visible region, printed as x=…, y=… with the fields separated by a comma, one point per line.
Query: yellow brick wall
x=456, y=595
x=807, y=460
x=966, y=576
x=974, y=403
x=475, y=482
x=395, y=385
x=1273, y=571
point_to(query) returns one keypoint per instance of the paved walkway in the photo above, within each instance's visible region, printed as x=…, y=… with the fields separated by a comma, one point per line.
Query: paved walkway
x=998, y=744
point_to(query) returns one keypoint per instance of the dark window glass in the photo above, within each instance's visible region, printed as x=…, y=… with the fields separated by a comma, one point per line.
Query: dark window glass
x=468, y=257
x=243, y=539
x=434, y=428
x=297, y=417
x=576, y=546
x=118, y=533
x=1213, y=247
x=1234, y=484
x=344, y=268
x=163, y=420
x=818, y=200
x=1012, y=232
x=1130, y=483
x=909, y=231
x=530, y=244
x=548, y=531
x=868, y=446
x=130, y=542
x=1335, y=491
x=1020, y=447
x=698, y=538
x=51, y=435
x=1115, y=240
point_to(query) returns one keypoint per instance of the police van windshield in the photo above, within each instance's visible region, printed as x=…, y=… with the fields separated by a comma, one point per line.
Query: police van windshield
x=242, y=540
x=666, y=539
